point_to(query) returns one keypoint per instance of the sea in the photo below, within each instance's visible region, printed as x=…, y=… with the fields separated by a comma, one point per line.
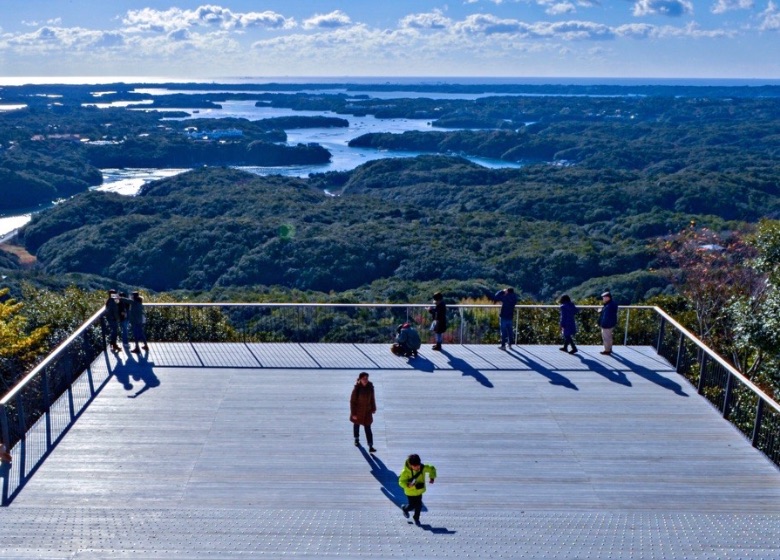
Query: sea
x=128, y=181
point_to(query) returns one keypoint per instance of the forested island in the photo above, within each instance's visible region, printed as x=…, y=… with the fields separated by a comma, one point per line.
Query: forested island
x=53, y=152
x=615, y=184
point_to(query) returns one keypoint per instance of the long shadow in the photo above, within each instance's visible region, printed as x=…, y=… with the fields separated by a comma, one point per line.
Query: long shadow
x=387, y=478
x=143, y=371
x=610, y=374
x=467, y=369
x=423, y=364
x=554, y=377
x=652, y=376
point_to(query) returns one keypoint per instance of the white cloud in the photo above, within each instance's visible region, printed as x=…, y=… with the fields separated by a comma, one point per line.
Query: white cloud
x=487, y=24
x=723, y=6
x=430, y=20
x=73, y=38
x=334, y=20
x=53, y=21
x=672, y=8
x=148, y=19
x=770, y=18
x=560, y=8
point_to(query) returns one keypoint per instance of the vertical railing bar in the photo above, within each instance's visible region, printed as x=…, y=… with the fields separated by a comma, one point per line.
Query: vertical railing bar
x=757, y=423
x=47, y=407
x=727, y=395
x=661, y=333
x=700, y=387
x=625, y=334
x=680, y=350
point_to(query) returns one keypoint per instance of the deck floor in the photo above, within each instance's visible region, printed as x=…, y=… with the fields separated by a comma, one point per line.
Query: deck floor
x=245, y=450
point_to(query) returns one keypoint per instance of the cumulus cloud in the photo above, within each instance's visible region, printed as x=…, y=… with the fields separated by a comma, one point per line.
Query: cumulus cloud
x=74, y=38
x=770, y=18
x=560, y=8
x=430, y=20
x=487, y=24
x=334, y=20
x=165, y=21
x=671, y=8
x=723, y=6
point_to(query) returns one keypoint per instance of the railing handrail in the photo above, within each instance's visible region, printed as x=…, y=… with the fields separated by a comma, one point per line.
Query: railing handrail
x=50, y=358
x=370, y=305
x=723, y=363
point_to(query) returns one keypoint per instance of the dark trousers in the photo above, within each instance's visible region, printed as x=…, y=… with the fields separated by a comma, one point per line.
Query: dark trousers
x=369, y=433
x=415, y=506
x=567, y=340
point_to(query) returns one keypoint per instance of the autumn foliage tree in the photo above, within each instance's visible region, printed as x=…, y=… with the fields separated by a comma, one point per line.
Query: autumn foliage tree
x=19, y=346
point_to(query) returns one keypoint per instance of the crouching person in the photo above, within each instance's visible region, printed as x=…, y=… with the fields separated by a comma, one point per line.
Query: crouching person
x=407, y=341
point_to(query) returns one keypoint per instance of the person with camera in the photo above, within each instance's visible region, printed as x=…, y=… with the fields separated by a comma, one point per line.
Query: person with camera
x=412, y=480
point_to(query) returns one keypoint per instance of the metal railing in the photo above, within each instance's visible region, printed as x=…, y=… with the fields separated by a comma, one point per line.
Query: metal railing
x=32, y=401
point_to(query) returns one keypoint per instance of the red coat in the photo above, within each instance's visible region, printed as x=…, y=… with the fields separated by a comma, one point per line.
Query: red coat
x=362, y=404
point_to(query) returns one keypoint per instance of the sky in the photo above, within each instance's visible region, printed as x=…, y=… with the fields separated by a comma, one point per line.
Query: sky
x=168, y=39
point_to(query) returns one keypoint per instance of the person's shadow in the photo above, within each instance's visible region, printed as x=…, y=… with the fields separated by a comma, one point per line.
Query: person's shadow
x=121, y=371
x=598, y=367
x=141, y=370
x=467, y=369
x=554, y=377
x=390, y=488
x=652, y=376
x=387, y=478
x=423, y=364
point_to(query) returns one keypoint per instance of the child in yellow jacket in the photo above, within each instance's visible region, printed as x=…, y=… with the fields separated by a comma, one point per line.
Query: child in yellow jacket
x=412, y=480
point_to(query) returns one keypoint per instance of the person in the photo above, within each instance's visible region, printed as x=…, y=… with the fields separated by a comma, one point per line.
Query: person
x=439, y=314
x=112, y=319
x=568, y=326
x=362, y=406
x=508, y=300
x=137, y=321
x=5, y=456
x=124, y=317
x=607, y=321
x=412, y=480
x=407, y=341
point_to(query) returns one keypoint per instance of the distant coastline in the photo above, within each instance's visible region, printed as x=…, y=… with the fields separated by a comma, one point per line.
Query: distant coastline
x=400, y=80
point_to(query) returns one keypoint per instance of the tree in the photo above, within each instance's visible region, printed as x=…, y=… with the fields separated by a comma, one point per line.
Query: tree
x=713, y=273
x=18, y=348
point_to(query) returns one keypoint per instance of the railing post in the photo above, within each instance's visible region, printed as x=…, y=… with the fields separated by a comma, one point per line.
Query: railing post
x=661, y=332
x=680, y=350
x=757, y=423
x=727, y=395
x=462, y=322
x=5, y=457
x=625, y=334
x=700, y=386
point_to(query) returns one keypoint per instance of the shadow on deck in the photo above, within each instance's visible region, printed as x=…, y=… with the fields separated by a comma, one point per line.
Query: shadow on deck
x=229, y=450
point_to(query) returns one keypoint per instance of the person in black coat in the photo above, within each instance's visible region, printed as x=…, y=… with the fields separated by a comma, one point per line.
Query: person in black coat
x=439, y=313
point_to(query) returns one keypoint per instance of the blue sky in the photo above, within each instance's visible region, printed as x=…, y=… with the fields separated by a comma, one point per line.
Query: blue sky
x=364, y=38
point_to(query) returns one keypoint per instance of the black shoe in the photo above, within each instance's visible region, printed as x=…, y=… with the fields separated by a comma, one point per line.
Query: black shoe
x=564, y=349
x=414, y=354
x=416, y=520
x=357, y=443
x=371, y=449
x=606, y=352
x=436, y=347
x=406, y=511
x=573, y=351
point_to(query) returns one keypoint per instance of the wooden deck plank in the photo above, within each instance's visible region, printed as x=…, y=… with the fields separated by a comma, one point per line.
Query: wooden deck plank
x=522, y=439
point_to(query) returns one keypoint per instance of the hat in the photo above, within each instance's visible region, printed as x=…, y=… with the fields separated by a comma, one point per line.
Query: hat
x=606, y=294
x=437, y=296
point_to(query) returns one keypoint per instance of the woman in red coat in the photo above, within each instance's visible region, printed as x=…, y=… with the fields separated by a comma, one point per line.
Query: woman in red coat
x=362, y=407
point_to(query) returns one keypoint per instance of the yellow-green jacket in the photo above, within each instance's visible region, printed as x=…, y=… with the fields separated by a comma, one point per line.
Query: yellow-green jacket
x=407, y=474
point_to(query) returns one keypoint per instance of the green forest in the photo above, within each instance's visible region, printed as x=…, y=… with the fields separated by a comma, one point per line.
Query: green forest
x=607, y=187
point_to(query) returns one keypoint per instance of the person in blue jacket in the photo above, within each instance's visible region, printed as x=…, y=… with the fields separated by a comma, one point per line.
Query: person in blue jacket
x=607, y=321
x=508, y=299
x=568, y=326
